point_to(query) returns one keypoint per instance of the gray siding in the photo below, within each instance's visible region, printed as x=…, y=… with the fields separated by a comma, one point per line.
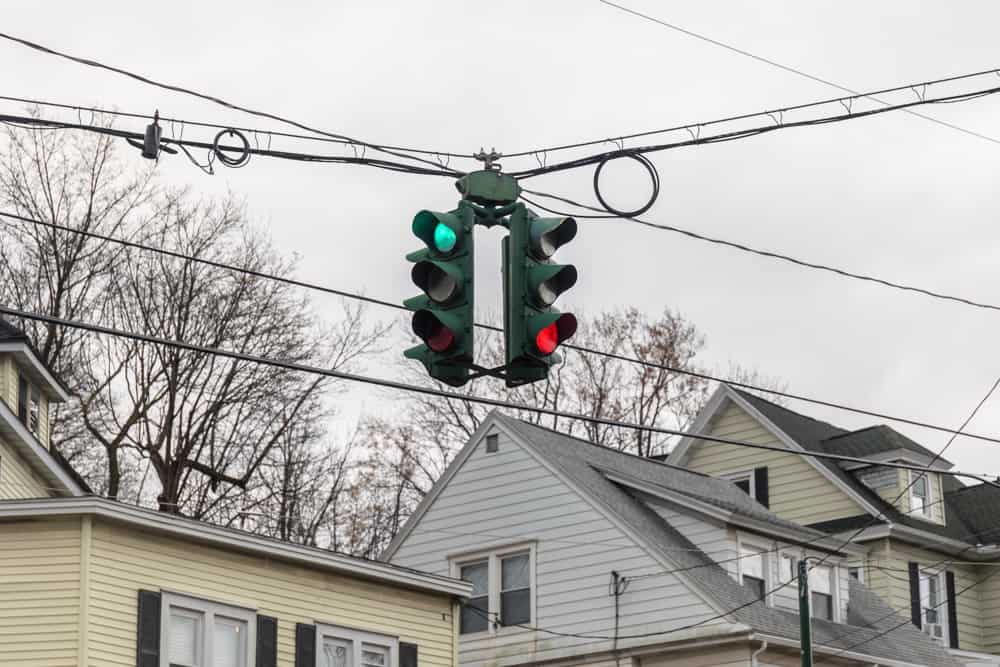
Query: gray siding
x=509, y=497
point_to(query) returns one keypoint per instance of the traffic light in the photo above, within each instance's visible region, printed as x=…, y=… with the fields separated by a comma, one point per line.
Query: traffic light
x=532, y=282
x=443, y=315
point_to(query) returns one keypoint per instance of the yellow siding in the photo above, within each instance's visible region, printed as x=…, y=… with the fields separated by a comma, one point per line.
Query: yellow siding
x=8, y=382
x=124, y=560
x=989, y=600
x=39, y=593
x=16, y=479
x=798, y=492
x=43, y=422
x=889, y=578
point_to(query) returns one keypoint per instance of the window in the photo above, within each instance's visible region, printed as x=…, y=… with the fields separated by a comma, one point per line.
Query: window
x=492, y=443
x=919, y=496
x=931, y=605
x=29, y=404
x=22, y=399
x=854, y=573
x=789, y=568
x=345, y=647
x=821, y=592
x=743, y=481
x=502, y=589
x=476, y=610
x=752, y=569
x=34, y=410
x=198, y=633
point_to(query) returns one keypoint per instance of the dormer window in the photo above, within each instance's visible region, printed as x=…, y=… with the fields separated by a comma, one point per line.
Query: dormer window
x=29, y=405
x=920, y=495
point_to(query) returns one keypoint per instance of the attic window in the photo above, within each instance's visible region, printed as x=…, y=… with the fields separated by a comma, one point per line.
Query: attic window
x=29, y=404
x=492, y=443
x=919, y=495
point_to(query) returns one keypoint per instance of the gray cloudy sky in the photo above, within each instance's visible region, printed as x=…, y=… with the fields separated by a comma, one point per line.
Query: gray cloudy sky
x=893, y=195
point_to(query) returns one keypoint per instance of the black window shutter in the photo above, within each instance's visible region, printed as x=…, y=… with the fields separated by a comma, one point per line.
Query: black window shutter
x=915, y=614
x=147, y=653
x=267, y=641
x=407, y=655
x=760, y=486
x=949, y=586
x=305, y=645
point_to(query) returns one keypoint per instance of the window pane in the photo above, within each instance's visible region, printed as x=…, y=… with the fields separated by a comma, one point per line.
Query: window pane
x=822, y=605
x=789, y=570
x=336, y=653
x=478, y=574
x=744, y=485
x=514, y=572
x=819, y=580
x=374, y=656
x=752, y=562
x=515, y=607
x=754, y=584
x=184, y=641
x=229, y=642
x=474, y=617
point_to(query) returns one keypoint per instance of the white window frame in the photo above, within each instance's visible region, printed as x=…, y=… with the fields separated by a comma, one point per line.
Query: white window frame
x=357, y=638
x=833, y=569
x=766, y=550
x=941, y=608
x=927, y=510
x=739, y=476
x=493, y=557
x=209, y=610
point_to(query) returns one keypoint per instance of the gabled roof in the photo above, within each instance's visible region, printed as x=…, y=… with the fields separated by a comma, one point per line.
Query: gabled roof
x=14, y=340
x=818, y=436
x=49, y=464
x=8, y=332
x=591, y=468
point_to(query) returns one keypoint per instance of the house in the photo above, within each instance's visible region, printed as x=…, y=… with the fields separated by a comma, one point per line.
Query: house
x=579, y=554
x=933, y=544
x=90, y=582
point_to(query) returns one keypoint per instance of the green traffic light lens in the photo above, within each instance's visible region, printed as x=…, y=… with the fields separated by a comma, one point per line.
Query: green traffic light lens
x=444, y=237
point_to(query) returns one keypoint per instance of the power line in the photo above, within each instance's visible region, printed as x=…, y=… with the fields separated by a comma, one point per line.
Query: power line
x=439, y=393
x=216, y=100
x=4, y=216
x=812, y=77
x=844, y=273
x=778, y=123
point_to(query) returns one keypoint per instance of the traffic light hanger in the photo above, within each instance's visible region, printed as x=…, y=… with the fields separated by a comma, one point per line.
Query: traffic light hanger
x=443, y=316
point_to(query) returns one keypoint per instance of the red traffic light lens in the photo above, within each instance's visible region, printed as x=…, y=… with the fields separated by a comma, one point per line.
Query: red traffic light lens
x=441, y=339
x=547, y=339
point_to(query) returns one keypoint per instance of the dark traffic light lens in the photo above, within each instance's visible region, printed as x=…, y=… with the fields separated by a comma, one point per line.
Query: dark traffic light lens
x=437, y=283
x=444, y=237
x=434, y=333
x=441, y=340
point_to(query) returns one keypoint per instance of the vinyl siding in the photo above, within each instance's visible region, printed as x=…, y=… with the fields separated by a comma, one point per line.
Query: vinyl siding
x=39, y=593
x=798, y=492
x=709, y=656
x=892, y=583
x=509, y=497
x=989, y=600
x=125, y=560
x=17, y=480
x=8, y=381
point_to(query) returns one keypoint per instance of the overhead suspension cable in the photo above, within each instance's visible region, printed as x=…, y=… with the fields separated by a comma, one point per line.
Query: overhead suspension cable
x=7, y=217
x=217, y=100
x=812, y=77
x=450, y=395
x=762, y=253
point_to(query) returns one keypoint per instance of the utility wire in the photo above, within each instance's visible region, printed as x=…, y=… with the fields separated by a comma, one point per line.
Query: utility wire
x=778, y=256
x=187, y=91
x=6, y=216
x=431, y=391
x=812, y=77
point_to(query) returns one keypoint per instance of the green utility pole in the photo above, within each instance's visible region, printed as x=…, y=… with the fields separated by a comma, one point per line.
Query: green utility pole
x=805, y=618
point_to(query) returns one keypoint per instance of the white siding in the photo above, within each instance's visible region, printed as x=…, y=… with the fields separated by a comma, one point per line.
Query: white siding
x=509, y=497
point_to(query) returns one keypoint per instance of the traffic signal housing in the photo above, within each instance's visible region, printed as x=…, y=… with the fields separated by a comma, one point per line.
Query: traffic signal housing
x=443, y=314
x=533, y=328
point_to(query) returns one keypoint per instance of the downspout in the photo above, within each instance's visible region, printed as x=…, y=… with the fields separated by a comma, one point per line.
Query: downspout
x=753, y=656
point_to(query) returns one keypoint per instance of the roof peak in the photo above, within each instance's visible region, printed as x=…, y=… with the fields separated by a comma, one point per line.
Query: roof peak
x=755, y=397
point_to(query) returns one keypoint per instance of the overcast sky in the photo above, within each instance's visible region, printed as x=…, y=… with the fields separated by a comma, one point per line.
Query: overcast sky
x=894, y=195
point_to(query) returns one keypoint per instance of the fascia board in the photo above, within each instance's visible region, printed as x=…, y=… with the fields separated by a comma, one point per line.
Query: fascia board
x=701, y=421
x=229, y=538
x=24, y=352
x=425, y=504
x=34, y=452
x=788, y=442
x=865, y=658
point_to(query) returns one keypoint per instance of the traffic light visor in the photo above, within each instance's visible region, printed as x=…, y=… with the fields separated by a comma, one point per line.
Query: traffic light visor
x=435, y=333
x=548, y=281
x=440, y=231
x=550, y=334
x=549, y=234
x=439, y=281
